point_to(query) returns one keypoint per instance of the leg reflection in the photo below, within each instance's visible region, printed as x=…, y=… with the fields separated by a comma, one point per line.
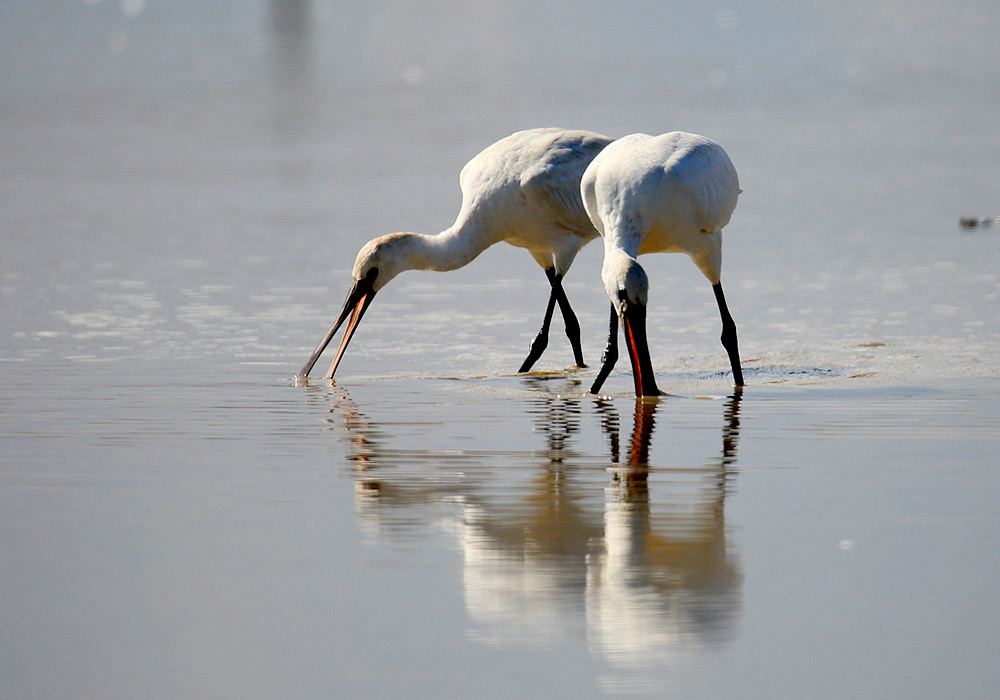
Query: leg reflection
x=667, y=579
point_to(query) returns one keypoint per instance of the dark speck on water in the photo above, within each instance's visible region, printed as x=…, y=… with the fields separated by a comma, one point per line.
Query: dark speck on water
x=978, y=223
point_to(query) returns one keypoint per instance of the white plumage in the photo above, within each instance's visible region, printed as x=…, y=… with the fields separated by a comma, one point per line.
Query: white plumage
x=658, y=194
x=524, y=190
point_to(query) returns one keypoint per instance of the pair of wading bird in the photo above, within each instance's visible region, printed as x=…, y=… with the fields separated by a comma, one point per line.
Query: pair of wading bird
x=552, y=191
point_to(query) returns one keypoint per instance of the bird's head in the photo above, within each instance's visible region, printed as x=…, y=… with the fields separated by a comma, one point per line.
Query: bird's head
x=628, y=287
x=624, y=279
x=378, y=262
x=382, y=258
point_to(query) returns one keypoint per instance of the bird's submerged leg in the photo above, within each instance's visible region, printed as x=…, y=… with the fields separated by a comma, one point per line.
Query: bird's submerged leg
x=729, y=340
x=569, y=318
x=541, y=340
x=610, y=356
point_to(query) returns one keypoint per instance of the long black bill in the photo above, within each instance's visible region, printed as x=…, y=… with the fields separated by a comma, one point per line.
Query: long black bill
x=359, y=298
x=634, y=325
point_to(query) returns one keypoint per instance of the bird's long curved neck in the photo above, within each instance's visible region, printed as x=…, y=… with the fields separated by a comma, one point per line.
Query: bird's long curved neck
x=451, y=249
x=626, y=241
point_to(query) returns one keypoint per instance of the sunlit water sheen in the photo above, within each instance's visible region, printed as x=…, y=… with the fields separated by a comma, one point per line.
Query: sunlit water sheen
x=184, y=191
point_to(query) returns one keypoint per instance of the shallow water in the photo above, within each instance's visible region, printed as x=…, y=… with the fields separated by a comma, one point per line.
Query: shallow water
x=185, y=190
x=204, y=537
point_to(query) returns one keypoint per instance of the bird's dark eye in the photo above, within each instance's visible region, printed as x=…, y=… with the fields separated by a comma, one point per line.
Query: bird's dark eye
x=622, y=300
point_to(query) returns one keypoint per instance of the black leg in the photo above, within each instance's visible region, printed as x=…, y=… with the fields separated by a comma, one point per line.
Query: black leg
x=542, y=339
x=610, y=356
x=729, y=341
x=569, y=319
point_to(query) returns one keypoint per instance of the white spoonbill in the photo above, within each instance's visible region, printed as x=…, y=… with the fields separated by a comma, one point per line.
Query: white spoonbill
x=525, y=190
x=658, y=194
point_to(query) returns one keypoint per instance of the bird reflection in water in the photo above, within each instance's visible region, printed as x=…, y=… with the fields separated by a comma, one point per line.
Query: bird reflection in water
x=383, y=505
x=667, y=581
x=549, y=544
